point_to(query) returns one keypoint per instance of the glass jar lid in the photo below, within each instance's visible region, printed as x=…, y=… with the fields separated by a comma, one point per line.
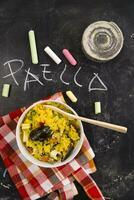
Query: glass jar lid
x=102, y=41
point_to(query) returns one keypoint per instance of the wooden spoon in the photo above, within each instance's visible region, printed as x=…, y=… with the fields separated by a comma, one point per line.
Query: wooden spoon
x=114, y=127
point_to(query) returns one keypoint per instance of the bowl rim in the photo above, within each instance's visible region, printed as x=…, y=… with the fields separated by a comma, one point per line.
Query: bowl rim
x=31, y=158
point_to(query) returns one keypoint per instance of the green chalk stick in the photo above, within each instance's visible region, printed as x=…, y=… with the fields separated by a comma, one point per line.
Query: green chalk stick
x=5, y=90
x=33, y=48
x=97, y=107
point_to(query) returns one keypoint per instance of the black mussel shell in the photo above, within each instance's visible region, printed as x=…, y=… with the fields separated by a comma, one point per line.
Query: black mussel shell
x=69, y=151
x=41, y=133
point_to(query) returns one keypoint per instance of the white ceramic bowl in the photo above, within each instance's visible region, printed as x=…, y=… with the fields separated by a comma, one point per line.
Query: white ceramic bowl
x=35, y=161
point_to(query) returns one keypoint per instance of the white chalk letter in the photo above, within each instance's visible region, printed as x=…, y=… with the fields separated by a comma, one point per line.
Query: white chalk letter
x=45, y=71
x=75, y=77
x=27, y=81
x=61, y=76
x=90, y=88
x=9, y=64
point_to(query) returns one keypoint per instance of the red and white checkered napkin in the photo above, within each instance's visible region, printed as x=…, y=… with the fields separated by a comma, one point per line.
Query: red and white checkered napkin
x=34, y=182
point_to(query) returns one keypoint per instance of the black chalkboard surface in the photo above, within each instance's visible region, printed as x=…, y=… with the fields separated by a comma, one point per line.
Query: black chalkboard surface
x=60, y=24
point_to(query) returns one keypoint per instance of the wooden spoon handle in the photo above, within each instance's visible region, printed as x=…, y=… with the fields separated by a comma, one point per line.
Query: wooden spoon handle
x=114, y=127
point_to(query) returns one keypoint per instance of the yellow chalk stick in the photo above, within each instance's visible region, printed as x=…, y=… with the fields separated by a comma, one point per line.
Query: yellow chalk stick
x=71, y=96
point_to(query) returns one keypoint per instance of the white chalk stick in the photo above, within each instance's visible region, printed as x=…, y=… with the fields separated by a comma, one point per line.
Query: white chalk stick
x=33, y=47
x=50, y=52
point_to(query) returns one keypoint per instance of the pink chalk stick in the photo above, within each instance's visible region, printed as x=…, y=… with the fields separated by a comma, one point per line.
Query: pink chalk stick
x=69, y=57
